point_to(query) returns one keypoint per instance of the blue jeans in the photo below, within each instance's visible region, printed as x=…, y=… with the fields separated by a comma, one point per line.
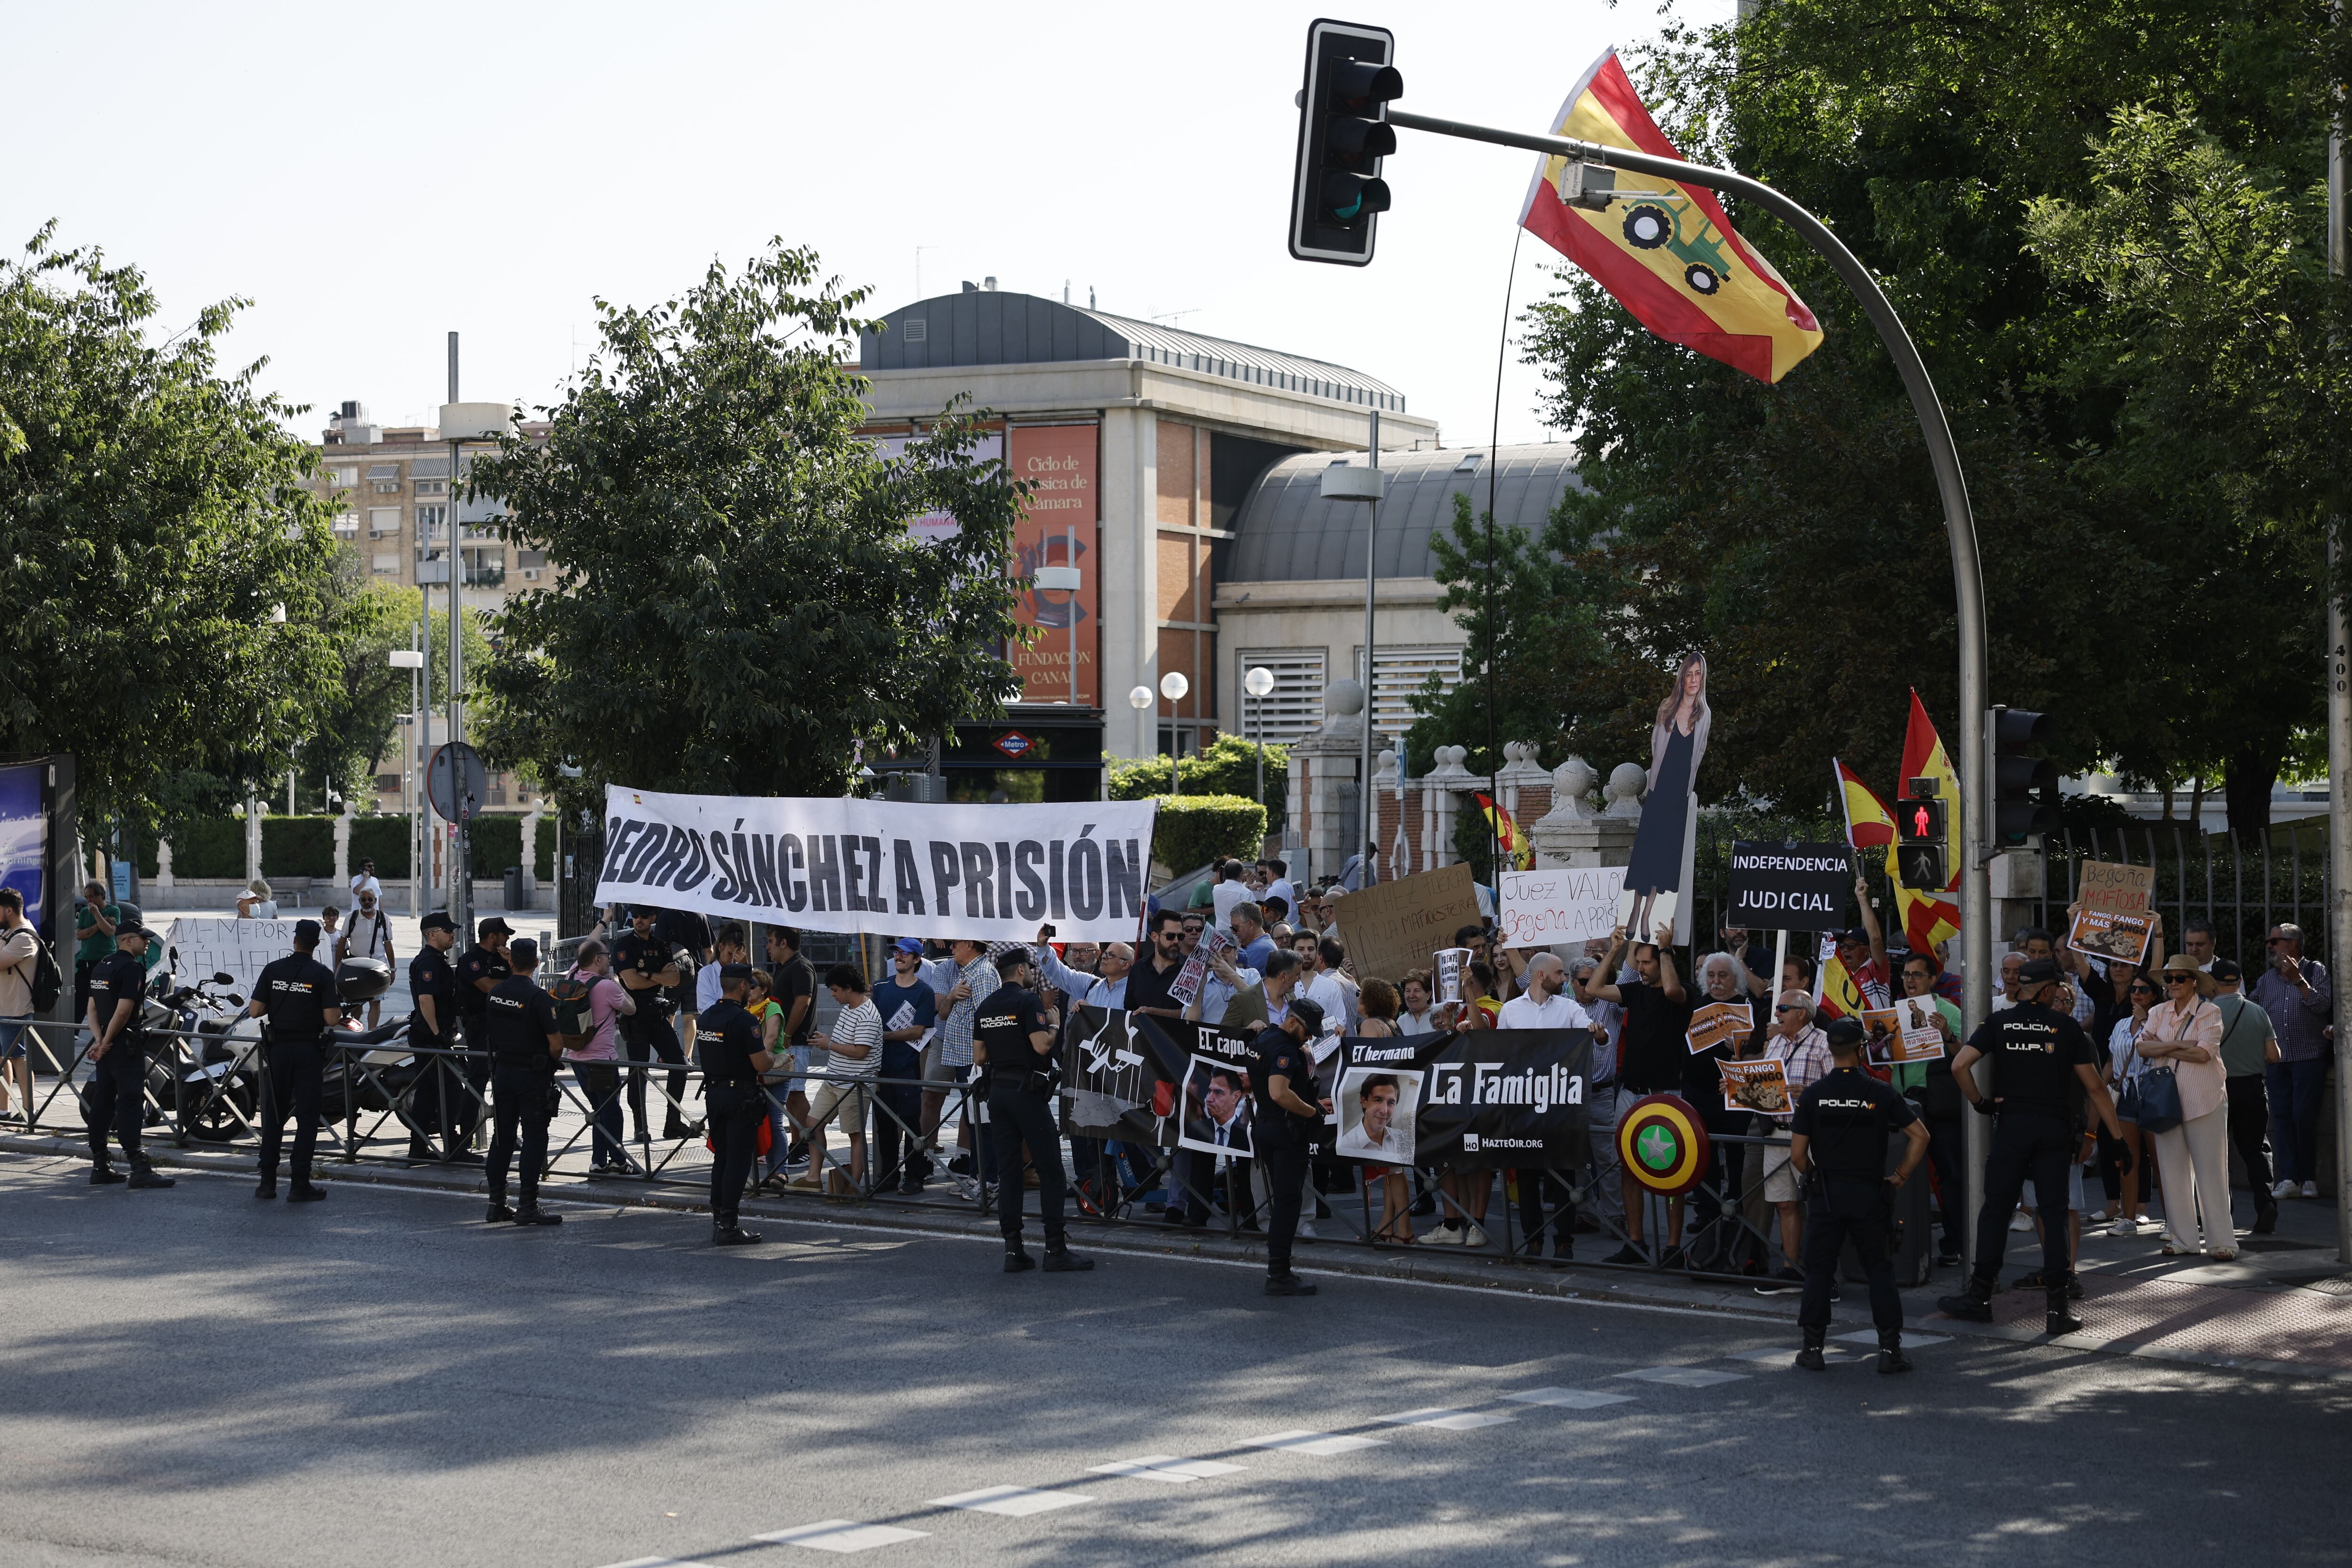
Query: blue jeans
x=2295, y=1116
x=601, y=1083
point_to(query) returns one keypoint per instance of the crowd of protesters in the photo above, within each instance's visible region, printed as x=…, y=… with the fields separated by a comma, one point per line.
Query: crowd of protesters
x=2247, y=1048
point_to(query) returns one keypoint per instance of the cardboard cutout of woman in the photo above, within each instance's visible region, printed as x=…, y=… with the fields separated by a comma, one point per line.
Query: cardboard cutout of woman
x=1677, y=741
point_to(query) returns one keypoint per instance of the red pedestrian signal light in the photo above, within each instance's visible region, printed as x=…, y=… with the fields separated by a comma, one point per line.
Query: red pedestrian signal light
x=1336, y=193
x=1923, y=840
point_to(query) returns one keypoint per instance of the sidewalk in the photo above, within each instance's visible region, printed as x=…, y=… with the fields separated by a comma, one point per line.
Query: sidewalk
x=2284, y=1308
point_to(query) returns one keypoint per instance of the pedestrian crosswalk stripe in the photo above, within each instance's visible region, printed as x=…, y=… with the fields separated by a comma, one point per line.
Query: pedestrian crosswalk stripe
x=1304, y=1442
x=1569, y=1398
x=1446, y=1420
x=841, y=1535
x=1786, y=1356
x=1910, y=1341
x=1682, y=1377
x=1016, y=1502
x=1164, y=1467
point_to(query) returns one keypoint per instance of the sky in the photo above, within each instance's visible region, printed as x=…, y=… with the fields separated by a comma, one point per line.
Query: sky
x=371, y=179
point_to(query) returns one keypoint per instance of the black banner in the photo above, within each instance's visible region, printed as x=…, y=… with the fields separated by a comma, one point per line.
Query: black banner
x=1126, y=1074
x=1487, y=1097
x=1789, y=887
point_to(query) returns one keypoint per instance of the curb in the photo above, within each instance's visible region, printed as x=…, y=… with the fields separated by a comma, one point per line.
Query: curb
x=1563, y=1284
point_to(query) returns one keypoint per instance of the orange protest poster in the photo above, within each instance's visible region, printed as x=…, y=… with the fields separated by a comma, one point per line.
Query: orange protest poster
x=1059, y=528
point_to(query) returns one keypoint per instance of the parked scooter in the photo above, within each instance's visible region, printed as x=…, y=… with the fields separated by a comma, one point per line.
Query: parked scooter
x=213, y=1064
x=375, y=1080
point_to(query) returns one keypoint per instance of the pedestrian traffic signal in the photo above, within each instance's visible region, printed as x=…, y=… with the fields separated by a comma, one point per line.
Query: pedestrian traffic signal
x=1922, y=840
x=1336, y=193
x=2024, y=788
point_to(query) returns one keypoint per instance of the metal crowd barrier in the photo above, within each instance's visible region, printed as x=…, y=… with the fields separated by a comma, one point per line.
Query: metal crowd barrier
x=378, y=1108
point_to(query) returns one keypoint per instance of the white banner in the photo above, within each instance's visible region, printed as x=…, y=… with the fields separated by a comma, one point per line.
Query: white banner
x=1567, y=904
x=987, y=873
x=201, y=949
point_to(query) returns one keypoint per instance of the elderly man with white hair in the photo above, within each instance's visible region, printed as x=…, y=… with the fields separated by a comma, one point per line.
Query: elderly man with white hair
x=1801, y=1048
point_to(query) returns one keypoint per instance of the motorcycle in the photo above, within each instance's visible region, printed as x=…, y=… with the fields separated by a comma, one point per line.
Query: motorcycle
x=365, y=1080
x=213, y=1064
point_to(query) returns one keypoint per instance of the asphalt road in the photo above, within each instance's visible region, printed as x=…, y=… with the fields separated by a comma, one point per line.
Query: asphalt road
x=193, y=1377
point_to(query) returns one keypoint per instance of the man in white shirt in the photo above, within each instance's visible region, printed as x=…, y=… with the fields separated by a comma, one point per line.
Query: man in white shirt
x=1319, y=979
x=731, y=945
x=369, y=935
x=1277, y=886
x=1230, y=890
x=1545, y=1003
x=364, y=881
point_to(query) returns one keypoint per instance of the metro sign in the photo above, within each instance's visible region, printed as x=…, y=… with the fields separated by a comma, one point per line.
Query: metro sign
x=1014, y=745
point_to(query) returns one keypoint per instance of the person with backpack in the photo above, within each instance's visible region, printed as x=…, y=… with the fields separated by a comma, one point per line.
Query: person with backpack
x=21, y=957
x=589, y=1006
x=368, y=935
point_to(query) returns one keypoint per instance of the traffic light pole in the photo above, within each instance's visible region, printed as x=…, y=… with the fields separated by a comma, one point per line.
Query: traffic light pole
x=1959, y=522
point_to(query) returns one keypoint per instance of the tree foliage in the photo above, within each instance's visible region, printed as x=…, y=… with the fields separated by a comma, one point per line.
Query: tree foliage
x=152, y=519
x=2107, y=297
x=358, y=720
x=737, y=602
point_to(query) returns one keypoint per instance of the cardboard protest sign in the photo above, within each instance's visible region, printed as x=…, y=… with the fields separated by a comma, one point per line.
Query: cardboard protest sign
x=1545, y=908
x=1487, y=1096
x=200, y=949
x=1788, y=886
x=1759, y=1086
x=1717, y=1024
x=1376, y=1106
x=1391, y=928
x=1916, y=1038
x=2113, y=935
x=2107, y=884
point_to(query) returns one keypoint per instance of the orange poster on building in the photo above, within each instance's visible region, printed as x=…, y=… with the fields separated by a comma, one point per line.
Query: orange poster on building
x=1059, y=529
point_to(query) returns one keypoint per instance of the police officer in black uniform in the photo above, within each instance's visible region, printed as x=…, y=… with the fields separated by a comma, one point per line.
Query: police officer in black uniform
x=118, y=1058
x=1837, y=1142
x=437, y=1104
x=293, y=994
x=1282, y=1074
x=1012, y=1039
x=2043, y=1070
x=646, y=967
x=480, y=969
x=519, y=1030
x=732, y=1062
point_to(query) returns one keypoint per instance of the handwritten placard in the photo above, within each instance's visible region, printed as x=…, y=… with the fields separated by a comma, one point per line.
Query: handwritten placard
x=1391, y=928
x=1558, y=905
x=2106, y=885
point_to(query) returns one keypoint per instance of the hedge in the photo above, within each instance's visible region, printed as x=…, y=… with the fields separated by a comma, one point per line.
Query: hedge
x=1194, y=829
x=1228, y=767
x=305, y=847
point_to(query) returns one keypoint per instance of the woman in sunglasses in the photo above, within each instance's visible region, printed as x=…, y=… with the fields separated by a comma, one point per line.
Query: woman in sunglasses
x=2184, y=1035
x=2142, y=991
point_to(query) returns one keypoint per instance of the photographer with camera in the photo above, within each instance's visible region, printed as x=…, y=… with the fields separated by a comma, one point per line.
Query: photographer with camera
x=649, y=969
x=1012, y=1039
x=524, y=1038
x=293, y=994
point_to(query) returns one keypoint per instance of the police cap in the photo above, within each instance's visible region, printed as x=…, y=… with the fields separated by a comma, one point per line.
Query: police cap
x=2037, y=972
x=1844, y=1035
x=437, y=921
x=1309, y=1013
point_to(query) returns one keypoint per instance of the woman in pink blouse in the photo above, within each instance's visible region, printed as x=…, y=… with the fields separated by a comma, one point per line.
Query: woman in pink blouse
x=2184, y=1033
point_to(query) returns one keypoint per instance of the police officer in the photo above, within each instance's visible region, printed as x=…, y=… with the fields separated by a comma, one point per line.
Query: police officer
x=293, y=994
x=2042, y=1069
x=732, y=1062
x=646, y=967
x=118, y=1058
x=1837, y=1142
x=1282, y=1074
x=520, y=1032
x=436, y=1104
x=478, y=971
x=1012, y=1039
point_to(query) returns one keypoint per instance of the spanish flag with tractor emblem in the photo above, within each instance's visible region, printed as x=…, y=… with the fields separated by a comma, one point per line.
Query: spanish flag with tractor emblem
x=1508, y=834
x=1672, y=258
x=1929, y=919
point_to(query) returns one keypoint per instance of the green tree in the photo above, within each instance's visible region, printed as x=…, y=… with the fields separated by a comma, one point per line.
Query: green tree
x=153, y=520
x=737, y=600
x=358, y=722
x=1792, y=532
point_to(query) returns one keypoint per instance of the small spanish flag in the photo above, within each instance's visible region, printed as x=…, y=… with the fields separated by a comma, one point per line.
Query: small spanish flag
x=1508, y=834
x=1672, y=258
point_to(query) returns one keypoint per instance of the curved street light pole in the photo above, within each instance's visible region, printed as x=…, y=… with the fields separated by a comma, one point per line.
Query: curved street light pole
x=1959, y=525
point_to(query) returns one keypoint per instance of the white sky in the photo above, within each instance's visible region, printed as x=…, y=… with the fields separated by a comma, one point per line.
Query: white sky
x=373, y=177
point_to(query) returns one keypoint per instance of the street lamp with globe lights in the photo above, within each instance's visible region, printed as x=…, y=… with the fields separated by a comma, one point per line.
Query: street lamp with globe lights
x=1259, y=684
x=1173, y=686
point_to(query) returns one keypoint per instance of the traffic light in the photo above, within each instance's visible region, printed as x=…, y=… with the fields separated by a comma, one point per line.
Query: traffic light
x=1922, y=839
x=2024, y=788
x=1338, y=194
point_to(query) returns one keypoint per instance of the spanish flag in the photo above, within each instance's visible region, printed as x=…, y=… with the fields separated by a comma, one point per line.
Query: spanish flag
x=1926, y=919
x=1868, y=827
x=1508, y=834
x=1672, y=259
